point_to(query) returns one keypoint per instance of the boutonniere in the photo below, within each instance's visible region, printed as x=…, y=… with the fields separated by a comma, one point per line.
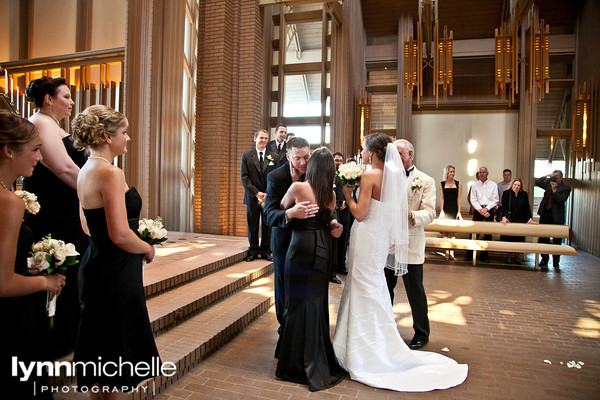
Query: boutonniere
x=269, y=157
x=417, y=183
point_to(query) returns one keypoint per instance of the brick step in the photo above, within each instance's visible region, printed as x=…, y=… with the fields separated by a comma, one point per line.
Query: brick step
x=189, y=343
x=173, y=307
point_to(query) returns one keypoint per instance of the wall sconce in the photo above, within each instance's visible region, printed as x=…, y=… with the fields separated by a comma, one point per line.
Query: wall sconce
x=584, y=121
x=507, y=61
x=472, y=146
x=539, y=60
x=363, y=117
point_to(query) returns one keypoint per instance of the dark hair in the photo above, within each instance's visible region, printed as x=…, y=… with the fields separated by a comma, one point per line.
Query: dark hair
x=320, y=174
x=15, y=131
x=290, y=135
x=278, y=125
x=377, y=143
x=297, y=142
x=508, y=170
x=90, y=125
x=558, y=171
x=337, y=153
x=39, y=88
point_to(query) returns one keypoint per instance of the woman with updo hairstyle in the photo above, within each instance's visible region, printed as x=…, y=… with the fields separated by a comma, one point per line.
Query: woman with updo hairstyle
x=305, y=353
x=19, y=153
x=114, y=318
x=54, y=182
x=451, y=190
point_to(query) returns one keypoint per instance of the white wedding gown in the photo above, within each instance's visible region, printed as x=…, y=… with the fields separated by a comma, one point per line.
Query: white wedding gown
x=367, y=342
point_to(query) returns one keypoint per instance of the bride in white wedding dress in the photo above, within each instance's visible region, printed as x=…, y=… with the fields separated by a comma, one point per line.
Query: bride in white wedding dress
x=367, y=342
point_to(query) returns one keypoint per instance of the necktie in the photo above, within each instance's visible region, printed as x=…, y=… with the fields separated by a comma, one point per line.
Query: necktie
x=261, y=160
x=279, y=146
x=408, y=171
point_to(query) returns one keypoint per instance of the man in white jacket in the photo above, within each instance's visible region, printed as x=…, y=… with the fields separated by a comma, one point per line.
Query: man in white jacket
x=421, y=206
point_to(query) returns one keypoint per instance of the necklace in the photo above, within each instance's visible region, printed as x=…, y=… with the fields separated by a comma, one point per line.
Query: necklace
x=101, y=158
x=4, y=186
x=55, y=120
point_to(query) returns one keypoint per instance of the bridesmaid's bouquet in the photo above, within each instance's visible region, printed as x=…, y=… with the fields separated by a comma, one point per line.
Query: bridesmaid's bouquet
x=51, y=256
x=31, y=204
x=152, y=231
x=350, y=173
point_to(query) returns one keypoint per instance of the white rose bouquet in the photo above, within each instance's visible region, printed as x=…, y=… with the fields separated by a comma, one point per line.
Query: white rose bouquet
x=51, y=256
x=152, y=231
x=31, y=204
x=350, y=173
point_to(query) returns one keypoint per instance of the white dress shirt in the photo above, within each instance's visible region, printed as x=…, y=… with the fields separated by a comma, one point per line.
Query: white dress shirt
x=484, y=194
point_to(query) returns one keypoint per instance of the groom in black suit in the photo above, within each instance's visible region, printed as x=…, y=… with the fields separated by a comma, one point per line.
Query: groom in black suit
x=278, y=182
x=256, y=164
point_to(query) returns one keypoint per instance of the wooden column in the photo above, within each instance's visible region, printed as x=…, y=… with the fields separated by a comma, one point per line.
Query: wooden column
x=404, y=110
x=138, y=92
x=83, y=36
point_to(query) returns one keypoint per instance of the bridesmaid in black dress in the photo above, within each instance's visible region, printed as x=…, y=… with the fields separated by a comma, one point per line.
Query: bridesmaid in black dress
x=19, y=153
x=54, y=181
x=114, y=318
x=450, y=200
x=305, y=350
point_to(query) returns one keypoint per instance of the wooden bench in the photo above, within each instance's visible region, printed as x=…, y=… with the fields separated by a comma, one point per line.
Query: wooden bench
x=495, y=228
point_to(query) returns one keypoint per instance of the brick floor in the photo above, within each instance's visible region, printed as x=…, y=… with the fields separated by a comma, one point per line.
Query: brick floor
x=503, y=321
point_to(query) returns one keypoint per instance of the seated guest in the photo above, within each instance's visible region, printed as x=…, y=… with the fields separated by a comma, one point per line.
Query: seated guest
x=19, y=153
x=515, y=208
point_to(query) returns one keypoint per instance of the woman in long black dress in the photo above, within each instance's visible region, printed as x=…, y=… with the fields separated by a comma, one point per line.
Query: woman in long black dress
x=114, y=318
x=305, y=351
x=450, y=200
x=19, y=153
x=515, y=208
x=54, y=182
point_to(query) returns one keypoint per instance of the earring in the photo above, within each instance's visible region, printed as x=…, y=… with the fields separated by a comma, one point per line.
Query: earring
x=370, y=158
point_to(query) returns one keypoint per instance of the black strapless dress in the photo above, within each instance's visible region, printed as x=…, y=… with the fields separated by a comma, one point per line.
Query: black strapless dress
x=21, y=318
x=114, y=318
x=304, y=349
x=450, y=200
x=59, y=216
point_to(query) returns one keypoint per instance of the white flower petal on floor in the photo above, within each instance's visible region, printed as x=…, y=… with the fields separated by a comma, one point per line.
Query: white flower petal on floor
x=445, y=349
x=547, y=361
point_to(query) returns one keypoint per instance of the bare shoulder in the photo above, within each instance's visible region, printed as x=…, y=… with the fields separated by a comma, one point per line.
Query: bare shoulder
x=13, y=207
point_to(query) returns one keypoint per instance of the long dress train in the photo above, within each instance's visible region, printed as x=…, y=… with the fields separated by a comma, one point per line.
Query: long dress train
x=366, y=342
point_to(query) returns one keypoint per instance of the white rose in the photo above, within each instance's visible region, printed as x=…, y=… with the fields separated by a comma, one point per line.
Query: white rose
x=35, y=207
x=59, y=255
x=38, y=262
x=70, y=250
x=37, y=247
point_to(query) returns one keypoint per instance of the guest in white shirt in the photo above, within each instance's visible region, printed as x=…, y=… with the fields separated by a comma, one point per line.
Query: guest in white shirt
x=505, y=184
x=484, y=198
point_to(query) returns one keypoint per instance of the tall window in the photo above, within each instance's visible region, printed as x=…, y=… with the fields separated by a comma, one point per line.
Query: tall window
x=300, y=79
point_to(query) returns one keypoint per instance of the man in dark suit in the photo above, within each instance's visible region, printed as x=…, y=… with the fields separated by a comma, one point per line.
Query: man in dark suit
x=339, y=256
x=278, y=145
x=256, y=164
x=552, y=209
x=278, y=182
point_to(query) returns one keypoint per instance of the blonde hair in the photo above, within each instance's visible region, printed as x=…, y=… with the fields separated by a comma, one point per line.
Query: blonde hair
x=447, y=169
x=90, y=125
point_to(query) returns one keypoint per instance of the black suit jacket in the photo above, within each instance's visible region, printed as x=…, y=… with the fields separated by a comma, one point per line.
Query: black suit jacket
x=518, y=206
x=558, y=198
x=272, y=149
x=254, y=179
x=278, y=183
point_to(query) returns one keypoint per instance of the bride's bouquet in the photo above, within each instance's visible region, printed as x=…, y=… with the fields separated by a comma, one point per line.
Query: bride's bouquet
x=51, y=256
x=350, y=173
x=31, y=204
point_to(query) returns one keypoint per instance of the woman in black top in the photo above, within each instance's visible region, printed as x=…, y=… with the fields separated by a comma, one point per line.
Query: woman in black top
x=515, y=208
x=450, y=201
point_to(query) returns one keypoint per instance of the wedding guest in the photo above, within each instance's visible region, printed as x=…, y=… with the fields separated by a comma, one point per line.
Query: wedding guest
x=256, y=165
x=552, y=209
x=367, y=342
x=515, y=208
x=19, y=153
x=114, y=319
x=340, y=244
x=502, y=186
x=54, y=182
x=450, y=201
x=305, y=351
x=484, y=197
